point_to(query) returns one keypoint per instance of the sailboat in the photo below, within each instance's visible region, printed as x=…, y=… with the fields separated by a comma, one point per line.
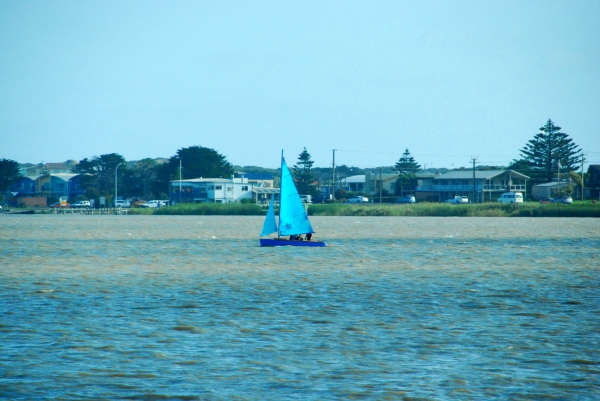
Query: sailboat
x=293, y=220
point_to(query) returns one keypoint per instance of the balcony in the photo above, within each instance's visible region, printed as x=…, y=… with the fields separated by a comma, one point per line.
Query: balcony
x=469, y=188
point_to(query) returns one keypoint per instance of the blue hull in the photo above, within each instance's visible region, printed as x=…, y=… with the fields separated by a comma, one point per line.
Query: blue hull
x=286, y=242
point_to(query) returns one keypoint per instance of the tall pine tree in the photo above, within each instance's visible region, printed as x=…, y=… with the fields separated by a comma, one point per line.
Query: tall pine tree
x=548, y=152
x=303, y=174
x=407, y=163
x=406, y=167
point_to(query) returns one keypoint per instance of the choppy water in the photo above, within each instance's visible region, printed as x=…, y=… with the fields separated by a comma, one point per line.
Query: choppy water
x=161, y=307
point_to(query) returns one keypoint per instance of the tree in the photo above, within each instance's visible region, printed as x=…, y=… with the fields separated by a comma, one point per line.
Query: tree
x=549, y=152
x=98, y=174
x=303, y=174
x=406, y=167
x=407, y=163
x=196, y=162
x=9, y=173
x=140, y=178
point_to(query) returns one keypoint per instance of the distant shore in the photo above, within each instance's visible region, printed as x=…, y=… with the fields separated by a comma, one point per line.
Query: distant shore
x=529, y=209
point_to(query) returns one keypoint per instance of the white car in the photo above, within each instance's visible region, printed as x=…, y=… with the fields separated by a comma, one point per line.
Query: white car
x=457, y=200
x=511, y=197
x=121, y=203
x=306, y=198
x=154, y=204
x=82, y=204
x=358, y=199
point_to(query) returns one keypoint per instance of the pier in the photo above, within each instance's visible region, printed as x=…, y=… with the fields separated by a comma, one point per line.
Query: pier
x=99, y=211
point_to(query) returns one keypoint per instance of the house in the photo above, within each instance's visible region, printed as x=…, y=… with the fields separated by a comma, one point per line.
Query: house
x=263, y=196
x=217, y=190
x=47, y=186
x=258, y=180
x=488, y=185
x=376, y=181
x=545, y=190
x=355, y=183
x=594, y=181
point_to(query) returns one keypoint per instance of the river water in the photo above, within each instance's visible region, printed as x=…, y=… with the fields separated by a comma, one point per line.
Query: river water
x=190, y=307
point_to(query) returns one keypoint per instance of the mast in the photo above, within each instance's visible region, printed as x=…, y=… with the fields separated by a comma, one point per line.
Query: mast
x=280, y=194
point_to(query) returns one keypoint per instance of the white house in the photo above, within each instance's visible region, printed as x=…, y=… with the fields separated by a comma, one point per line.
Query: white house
x=217, y=190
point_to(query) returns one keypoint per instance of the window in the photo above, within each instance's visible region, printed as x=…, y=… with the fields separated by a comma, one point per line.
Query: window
x=217, y=187
x=211, y=187
x=244, y=187
x=229, y=189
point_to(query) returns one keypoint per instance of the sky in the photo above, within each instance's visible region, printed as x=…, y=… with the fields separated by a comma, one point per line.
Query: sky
x=448, y=80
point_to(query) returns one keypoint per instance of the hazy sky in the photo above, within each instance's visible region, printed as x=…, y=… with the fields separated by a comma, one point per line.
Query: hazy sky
x=449, y=80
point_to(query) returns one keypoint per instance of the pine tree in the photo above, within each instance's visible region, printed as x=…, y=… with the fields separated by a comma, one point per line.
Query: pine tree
x=550, y=151
x=303, y=174
x=407, y=163
x=406, y=167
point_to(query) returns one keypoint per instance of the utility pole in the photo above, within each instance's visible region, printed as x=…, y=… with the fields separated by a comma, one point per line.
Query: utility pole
x=473, y=160
x=582, y=182
x=380, y=185
x=333, y=177
x=180, y=180
x=116, y=168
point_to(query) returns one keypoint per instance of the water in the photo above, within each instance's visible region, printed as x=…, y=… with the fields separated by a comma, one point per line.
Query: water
x=190, y=307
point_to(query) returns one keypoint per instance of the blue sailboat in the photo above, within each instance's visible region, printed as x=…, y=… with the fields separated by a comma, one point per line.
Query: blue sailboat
x=293, y=220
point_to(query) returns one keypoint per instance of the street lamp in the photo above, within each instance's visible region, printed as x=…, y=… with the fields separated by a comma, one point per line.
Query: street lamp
x=179, y=179
x=116, y=168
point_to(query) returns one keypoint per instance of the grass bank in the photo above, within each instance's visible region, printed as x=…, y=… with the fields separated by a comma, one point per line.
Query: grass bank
x=530, y=209
x=583, y=209
x=204, y=209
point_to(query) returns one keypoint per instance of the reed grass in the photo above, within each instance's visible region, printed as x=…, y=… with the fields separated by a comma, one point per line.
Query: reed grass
x=583, y=209
x=202, y=209
x=530, y=209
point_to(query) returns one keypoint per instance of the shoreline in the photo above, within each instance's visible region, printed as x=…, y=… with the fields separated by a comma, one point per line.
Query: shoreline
x=529, y=209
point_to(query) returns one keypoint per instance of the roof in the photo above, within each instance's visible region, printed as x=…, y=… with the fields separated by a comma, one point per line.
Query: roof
x=547, y=184
x=354, y=179
x=479, y=174
x=256, y=176
x=201, y=180
x=57, y=166
x=64, y=176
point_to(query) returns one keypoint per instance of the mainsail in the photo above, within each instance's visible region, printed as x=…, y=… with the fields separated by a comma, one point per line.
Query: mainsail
x=292, y=215
x=270, y=225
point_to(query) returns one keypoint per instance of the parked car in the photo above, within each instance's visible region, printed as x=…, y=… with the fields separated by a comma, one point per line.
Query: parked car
x=58, y=204
x=546, y=200
x=407, y=199
x=511, y=197
x=82, y=204
x=121, y=203
x=154, y=204
x=137, y=202
x=565, y=199
x=358, y=199
x=458, y=200
x=306, y=198
x=322, y=198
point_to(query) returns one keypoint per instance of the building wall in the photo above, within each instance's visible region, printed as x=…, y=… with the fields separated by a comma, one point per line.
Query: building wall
x=27, y=201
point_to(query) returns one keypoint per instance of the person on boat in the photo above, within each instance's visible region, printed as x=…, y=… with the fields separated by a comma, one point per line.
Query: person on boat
x=299, y=237
x=309, y=237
